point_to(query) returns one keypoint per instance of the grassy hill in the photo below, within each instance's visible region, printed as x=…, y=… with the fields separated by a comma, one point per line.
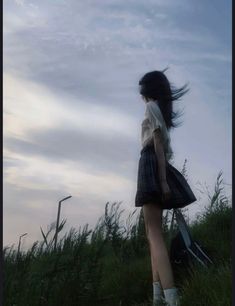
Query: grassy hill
x=110, y=265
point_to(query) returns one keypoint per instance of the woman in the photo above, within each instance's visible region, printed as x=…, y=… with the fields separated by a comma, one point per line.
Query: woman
x=159, y=185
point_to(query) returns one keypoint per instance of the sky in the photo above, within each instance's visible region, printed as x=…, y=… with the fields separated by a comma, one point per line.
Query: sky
x=72, y=112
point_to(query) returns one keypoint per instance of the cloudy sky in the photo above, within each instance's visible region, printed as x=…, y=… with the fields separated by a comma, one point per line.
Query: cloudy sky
x=72, y=111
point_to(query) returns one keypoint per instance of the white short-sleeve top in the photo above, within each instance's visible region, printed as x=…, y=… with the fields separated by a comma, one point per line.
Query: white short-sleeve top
x=153, y=120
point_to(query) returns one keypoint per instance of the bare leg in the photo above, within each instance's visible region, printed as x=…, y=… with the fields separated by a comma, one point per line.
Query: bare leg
x=161, y=266
x=155, y=273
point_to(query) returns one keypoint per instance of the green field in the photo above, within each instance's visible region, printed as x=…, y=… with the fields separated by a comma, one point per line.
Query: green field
x=110, y=264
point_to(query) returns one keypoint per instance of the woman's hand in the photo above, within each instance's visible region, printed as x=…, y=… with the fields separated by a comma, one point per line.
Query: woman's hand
x=166, y=192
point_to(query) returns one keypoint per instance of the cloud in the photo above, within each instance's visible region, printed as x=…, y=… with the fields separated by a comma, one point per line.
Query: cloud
x=45, y=110
x=114, y=35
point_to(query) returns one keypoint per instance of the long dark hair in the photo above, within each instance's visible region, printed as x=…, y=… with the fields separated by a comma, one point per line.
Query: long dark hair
x=155, y=85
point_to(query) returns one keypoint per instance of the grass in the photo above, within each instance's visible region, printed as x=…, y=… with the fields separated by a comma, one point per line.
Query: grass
x=110, y=265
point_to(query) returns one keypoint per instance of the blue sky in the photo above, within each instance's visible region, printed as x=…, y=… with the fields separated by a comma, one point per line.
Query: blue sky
x=72, y=111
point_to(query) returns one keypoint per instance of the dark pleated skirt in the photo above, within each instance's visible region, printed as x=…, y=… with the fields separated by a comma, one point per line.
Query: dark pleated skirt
x=148, y=184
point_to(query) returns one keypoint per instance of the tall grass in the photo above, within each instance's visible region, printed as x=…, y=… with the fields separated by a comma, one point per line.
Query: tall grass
x=110, y=265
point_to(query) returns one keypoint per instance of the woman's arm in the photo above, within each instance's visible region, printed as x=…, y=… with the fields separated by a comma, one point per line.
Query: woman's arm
x=159, y=149
x=154, y=116
x=161, y=160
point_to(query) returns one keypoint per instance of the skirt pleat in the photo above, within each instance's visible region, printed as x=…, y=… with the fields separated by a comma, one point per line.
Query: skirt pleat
x=148, y=184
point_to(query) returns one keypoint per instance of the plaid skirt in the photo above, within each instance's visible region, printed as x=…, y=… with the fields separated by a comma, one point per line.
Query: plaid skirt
x=148, y=184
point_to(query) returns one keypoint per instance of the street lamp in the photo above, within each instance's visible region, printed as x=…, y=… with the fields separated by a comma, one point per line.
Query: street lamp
x=58, y=218
x=18, y=251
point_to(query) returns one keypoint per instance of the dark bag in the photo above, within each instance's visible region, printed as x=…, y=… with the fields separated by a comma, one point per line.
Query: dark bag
x=185, y=251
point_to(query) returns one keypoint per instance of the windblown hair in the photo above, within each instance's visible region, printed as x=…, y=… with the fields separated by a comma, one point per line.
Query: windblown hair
x=155, y=85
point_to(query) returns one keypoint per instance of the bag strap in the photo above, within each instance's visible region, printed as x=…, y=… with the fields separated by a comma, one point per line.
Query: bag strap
x=172, y=223
x=182, y=225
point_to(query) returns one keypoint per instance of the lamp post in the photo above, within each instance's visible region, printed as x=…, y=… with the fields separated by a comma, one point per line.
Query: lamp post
x=18, y=251
x=58, y=218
